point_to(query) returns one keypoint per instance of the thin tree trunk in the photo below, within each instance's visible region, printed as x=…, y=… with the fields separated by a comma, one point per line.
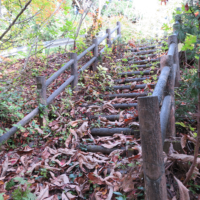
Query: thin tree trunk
x=196, y=152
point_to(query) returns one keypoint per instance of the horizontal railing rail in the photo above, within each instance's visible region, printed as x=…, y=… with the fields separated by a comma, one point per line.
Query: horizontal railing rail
x=73, y=80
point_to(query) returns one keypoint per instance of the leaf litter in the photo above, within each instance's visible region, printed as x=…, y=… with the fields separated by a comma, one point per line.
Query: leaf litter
x=61, y=168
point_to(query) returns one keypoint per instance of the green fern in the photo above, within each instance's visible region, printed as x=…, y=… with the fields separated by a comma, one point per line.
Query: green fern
x=21, y=194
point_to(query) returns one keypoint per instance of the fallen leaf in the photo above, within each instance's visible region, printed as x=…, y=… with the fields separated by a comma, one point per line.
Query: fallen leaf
x=183, y=141
x=133, y=84
x=5, y=167
x=184, y=192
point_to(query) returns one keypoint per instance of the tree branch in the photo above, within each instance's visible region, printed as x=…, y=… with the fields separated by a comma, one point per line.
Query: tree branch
x=12, y=24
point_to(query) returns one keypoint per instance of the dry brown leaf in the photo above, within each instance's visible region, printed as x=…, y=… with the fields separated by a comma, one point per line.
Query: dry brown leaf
x=14, y=159
x=26, y=149
x=83, y=129
x=44, y=193
x=30, y=169
x=64, y=197
x=133, y=85
x=110, y=145
x=66, y=151
x=121, y=116
x=45, y=154
x=53, y=123
x=128, y=184
x=107, y=122
x=96, y=179
x=68, y=140
x=61, y=164
x=24, y=161
x=40, y=131
x=98, y=196
x=56, y=127
x=74, y=123
x=110, y=108
x=71, y=196
x=97, y=108
x=183, y=141
x=54, y=197
x=5, y=167
x=184, y=192
x=110, y=194
x=73, y=132
x=72, y=167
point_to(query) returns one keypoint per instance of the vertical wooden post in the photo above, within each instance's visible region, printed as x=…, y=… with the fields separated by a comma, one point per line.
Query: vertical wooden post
x=95, y=53
x=152, y=148
x=108, y=38
x=74, y=71
x=174, y=39
x=119, y=29
x=119, y=34
x=42, y=99
x=169, y=90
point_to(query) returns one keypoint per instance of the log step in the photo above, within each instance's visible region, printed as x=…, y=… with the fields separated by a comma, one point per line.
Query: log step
x=123, y=87
x=112, y=131
x=143, y=56
x=110, y=117
x=125, y=105
x=128, y=80
x=147, y=72
x=145, y=52
x=125, y=95
x=142, y=48
x=143, y=66
x=116, y=106
x=98, y=148
x=144, y=61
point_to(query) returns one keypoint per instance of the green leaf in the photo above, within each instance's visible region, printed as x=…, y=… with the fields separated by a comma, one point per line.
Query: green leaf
x=118, y=193
x=20, y=180
x=1, y=196
x=181, y=124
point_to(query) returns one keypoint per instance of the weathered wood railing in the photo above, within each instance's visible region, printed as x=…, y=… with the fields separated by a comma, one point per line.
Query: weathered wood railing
x=156, y=125
x=73, y=79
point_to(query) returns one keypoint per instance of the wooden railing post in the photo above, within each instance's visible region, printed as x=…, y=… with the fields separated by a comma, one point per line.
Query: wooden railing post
x=119, y=28
x=174, y=39
x=42, y=99
x=152, y=148
x=108, y=38
x=168, y=61
x=95, y=53
x=74, y=71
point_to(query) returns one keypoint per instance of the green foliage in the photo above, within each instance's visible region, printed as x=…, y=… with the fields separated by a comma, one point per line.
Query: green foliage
x=44, y=172
x=186, y=94
x=10, y=184
x=10, y=107
x=193, y=187
x=116, y=7
x=120, y=196
x=22, y=192
x=190, y=40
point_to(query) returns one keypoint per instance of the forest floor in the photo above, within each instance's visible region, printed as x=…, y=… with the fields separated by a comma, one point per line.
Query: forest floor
x=73, y=157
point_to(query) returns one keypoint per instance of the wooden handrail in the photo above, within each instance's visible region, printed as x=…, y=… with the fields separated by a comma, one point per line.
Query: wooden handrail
x=161, y=84
x=73, y=79
x=155, y=127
